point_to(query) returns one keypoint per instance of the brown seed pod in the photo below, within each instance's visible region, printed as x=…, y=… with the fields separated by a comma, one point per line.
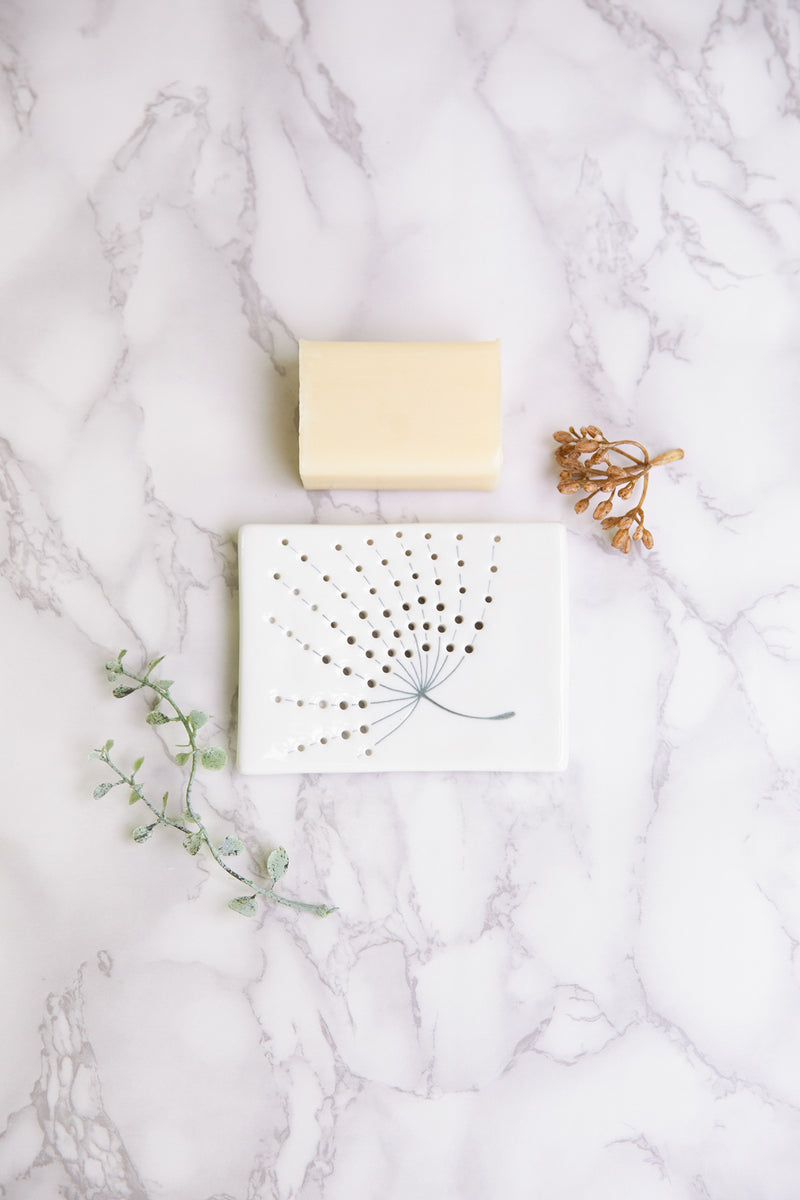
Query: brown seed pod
x=592, y=464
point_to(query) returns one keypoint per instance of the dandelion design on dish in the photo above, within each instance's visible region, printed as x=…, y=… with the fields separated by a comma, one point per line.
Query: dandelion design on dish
x=374, y=628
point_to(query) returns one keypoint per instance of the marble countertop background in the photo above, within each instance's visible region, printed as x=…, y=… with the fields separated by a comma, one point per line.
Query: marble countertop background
x=556, y=986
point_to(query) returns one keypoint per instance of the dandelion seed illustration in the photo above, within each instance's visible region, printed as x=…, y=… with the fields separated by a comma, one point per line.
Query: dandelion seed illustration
x=365, y=633
x=396, y=621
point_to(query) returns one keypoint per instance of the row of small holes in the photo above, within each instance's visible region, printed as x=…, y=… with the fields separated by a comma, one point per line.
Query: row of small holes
x=345, y=735
x=373, y=591
x=370, y=542
x=376, y=633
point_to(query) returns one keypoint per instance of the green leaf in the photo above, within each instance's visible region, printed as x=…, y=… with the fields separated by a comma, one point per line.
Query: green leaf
x=152, y=665
x=157, y=718
x=164, y=684
x=102, y=789
x=213, y=759
x=138, y=764
x=192, y=842
x=121, y=655
x=122, y=691
x=182, y=758
x=197, y=718
x=113, y=668
x=277, y=863
x=142, y=832
x=164, y=800
x=231, y=845
x=95, y=754
x=246, y=905
x=108, y=745
x=134, y=797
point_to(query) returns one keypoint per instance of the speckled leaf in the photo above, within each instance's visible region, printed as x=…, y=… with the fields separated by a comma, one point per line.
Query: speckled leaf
x=277, y=863
x=231, y=845
x=192, y=842
x=141, y=833
x=246, y=905
x=213, y=759
x=101, y=790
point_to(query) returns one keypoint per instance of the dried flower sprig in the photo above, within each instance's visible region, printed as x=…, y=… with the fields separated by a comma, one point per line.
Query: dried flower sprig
x=591, y=464
x=188, y=822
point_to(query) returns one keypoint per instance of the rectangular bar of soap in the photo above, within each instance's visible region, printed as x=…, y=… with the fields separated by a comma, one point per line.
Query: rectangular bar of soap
x=400, y=415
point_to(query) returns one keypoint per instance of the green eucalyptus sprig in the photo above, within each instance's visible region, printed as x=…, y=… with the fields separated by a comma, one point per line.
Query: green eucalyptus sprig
x=188, y=822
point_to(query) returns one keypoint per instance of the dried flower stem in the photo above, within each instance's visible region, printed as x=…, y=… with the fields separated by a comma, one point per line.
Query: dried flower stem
x=589, y=463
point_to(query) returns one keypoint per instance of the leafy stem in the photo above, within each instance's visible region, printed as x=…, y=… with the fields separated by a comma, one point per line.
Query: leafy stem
x=190, y=823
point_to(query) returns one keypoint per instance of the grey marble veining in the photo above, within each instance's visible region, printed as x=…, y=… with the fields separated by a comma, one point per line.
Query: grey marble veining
x=560, y=985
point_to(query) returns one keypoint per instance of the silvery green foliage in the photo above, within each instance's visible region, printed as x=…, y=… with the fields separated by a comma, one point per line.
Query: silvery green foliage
x=187, y=820
x=231, y=845
x=277, y=864
x=213, y=759
x=192, y=842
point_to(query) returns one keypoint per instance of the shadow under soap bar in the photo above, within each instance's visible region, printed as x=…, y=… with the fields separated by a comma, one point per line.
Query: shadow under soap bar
x=400, y=415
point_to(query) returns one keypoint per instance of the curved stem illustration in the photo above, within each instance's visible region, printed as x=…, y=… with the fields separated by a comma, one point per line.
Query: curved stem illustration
x=470, y=716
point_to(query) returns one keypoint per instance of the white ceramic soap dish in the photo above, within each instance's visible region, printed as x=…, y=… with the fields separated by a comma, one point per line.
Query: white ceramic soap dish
x=402, y=648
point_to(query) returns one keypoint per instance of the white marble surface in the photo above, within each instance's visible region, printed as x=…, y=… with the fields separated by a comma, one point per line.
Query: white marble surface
x=558, y=986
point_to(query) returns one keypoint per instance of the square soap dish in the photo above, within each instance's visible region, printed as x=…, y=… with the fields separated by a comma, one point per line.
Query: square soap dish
x=402, y=648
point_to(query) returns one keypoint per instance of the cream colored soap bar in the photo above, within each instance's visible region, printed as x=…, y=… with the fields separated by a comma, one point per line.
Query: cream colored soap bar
x=400, y=415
